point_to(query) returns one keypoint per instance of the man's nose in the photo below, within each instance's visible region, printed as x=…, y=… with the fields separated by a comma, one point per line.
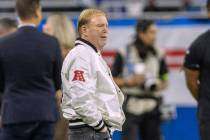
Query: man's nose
x=105, y=29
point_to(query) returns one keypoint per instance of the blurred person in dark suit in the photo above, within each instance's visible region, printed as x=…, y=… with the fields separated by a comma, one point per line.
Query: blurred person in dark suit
x=30, y=64
x=61, y=27
x=7, y=26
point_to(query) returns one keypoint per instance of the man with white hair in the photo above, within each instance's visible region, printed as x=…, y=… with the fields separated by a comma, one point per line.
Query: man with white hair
x=91, y=101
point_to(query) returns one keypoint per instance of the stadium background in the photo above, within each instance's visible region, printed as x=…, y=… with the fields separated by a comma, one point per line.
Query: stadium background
x=178, y=25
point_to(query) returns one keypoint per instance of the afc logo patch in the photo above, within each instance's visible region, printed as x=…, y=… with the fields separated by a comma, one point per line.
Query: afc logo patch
x=78, y=76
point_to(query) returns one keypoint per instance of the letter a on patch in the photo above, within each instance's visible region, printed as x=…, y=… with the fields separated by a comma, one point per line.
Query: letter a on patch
x=78, y=76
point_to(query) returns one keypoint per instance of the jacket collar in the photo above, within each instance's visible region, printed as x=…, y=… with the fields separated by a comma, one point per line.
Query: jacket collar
x=27, y=28
x=88, y=43
x=27, y=25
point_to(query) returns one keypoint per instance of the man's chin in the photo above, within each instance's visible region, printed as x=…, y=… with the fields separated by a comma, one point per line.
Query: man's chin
x=102, y=44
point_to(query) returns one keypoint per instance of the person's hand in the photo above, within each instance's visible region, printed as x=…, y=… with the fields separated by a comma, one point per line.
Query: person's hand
x=139, y=79
x=135, y=80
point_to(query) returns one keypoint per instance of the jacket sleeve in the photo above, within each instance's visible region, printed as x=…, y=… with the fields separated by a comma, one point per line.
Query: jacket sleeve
x=117, y=66
x=2, y=80
x=163, y=71
x=194, y=55
x=57, y=66
x=81, y=87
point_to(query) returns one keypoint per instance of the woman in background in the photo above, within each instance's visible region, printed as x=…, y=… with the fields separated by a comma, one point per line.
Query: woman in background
x=59, y=26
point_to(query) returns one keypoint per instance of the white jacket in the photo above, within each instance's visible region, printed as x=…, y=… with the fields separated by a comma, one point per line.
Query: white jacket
x=90, y=96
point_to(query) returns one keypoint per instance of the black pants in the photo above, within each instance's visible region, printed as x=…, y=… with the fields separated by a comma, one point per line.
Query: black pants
x=28, y=131
x=87, y=133
x=147, y=126
x=205, y=130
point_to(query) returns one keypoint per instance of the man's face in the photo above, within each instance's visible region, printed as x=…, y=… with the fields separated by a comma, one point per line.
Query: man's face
x=149, y=37
x=97, y=31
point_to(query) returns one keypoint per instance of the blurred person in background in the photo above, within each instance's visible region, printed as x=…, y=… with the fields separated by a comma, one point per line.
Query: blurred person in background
x=61, y=27
x=151, y=6
x=91, y=100
x=197, y=70
x=7, y=26
x=140, y=70
x=30, y=66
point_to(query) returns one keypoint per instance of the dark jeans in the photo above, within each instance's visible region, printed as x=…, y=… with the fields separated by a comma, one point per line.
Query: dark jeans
x=147, y=126
x=87, y=133
x=28, y=131
x=205, y=130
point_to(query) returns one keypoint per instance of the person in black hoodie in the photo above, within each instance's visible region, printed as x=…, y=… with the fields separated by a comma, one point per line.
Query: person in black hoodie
x=197, y=68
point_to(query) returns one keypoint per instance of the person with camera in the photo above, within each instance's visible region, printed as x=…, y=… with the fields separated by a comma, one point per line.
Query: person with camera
x=140, y=70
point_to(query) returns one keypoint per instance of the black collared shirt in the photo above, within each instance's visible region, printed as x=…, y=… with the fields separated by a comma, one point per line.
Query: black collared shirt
x=198, y=58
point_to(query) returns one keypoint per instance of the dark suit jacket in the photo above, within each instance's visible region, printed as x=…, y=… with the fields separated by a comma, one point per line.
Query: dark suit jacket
x=30, y=65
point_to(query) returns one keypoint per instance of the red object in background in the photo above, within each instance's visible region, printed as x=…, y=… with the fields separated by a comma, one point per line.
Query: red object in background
x=109, y=57
x=174, y=57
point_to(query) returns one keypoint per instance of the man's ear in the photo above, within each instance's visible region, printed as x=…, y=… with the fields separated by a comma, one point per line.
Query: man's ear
x=38, y=14
x=83, y=30
x=208, y=13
